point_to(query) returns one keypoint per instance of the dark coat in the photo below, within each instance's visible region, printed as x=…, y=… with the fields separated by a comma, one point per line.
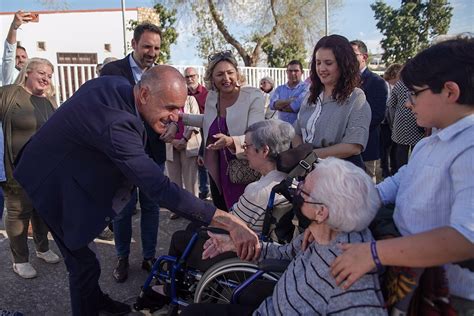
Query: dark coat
x=155, y=147
x=79, y=168
x=376, y=91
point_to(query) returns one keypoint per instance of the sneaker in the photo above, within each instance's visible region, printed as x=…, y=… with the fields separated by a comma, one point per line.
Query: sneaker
x=147, y=264
x=25, y=270
x=108, y=306
x=121, y=270
x=48, y=256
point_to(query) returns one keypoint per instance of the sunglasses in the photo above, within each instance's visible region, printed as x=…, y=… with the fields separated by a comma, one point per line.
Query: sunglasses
x=220, y=55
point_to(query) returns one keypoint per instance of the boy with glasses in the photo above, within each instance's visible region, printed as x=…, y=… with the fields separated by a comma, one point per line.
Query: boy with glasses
x=434, y=192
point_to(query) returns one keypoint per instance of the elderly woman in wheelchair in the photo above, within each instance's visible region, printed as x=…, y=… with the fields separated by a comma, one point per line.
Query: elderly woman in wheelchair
x=337, y=201
x=264, y=141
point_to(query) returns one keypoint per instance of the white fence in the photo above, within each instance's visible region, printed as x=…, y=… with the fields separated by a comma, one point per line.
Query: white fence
x=68, y=78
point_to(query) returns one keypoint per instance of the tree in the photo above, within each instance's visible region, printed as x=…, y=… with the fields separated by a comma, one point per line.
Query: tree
x=410, y=29
x=279, y=56
x=169, y=35
x=245, y=26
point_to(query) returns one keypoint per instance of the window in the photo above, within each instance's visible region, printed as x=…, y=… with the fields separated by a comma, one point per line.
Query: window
x=77, y=58
x=41, y=46
x=108, y=47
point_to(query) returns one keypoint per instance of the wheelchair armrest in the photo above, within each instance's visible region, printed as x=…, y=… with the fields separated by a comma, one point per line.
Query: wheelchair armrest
x=273, y=265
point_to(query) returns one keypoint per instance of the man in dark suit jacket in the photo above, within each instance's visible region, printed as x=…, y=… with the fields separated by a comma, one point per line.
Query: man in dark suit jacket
x=376, y=91
x=146, y=44
x=80, y=167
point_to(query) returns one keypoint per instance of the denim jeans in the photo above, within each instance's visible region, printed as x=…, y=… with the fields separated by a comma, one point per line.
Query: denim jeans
x=149, y=222
x=203, y=181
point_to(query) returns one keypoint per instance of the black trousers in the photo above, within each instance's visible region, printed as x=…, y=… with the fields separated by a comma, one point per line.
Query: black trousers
x=249, y=300
x=217, y=197
x=387, y=151
x=180, y=240
x=401, y=156
x=84, y=272
x=217, y=309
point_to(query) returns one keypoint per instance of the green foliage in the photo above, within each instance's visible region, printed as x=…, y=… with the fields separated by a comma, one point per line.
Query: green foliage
x=169, y=35
x=210, y=39
x=286, y=28
x=410, y=28
x=279, y=56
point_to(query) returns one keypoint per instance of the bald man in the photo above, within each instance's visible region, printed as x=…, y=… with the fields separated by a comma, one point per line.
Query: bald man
x=80, y=167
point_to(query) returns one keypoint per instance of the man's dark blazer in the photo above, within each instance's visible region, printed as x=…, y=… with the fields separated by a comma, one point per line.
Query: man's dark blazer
x=155, y=146
x=375, y=90
x=80, y=167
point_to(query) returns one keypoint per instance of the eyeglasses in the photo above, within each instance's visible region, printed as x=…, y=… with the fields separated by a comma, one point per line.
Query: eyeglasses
x=412, y=95
x=190, y=76
x=300, y=192
x=220, y=55
x=247, y=146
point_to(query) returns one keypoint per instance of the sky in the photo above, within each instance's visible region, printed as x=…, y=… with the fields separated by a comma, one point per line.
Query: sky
x=354, y=20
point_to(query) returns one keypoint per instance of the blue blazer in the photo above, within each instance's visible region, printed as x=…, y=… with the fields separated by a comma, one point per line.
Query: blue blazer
x=155, y=147
x=80, y=167
x=376, y=91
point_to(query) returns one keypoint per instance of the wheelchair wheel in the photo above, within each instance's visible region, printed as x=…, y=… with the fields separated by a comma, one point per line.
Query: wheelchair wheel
x=219, y=282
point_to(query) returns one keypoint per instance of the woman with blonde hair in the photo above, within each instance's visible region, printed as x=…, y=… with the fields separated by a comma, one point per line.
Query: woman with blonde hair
x=230, y=109
x=24, y=107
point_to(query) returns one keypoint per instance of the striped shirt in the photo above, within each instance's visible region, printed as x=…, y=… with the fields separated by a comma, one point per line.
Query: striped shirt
x=436, y=189
x=308, y=288
x=253, y=202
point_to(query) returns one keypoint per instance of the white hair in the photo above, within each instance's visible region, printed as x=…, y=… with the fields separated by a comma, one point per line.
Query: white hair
x=275, y=134
x=348, y=192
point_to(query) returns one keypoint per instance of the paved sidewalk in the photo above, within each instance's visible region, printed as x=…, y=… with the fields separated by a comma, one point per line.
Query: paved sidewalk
x=48, y=293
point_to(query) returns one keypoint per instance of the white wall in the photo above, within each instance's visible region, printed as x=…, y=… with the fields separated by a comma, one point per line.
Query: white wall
x=72, y=32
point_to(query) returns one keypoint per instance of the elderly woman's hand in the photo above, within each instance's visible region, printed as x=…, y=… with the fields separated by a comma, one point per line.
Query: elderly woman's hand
x=217, y=244
x=222, y=141
x=352, y=264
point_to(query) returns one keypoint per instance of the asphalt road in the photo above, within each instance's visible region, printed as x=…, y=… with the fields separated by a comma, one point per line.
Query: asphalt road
x=48, y=293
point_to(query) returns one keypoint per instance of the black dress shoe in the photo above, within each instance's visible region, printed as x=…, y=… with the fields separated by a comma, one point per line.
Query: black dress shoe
x=147, y=264
x=153, y=300
x=108, y=306
x=121, y=270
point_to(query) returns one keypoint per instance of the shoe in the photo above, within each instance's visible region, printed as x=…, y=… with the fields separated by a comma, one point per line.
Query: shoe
x=147, y=264
x=48, y=256
x=152, y=300
x=25, y=270
x=174, y=216
x=204, y=196
x=106, y=234
x=121, y=270
x=108, y=306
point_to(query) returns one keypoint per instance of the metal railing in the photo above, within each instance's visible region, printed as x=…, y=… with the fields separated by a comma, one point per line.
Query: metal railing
x=69, y=77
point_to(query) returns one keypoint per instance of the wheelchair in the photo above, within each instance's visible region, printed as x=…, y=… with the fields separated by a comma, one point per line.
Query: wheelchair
x=225, y=281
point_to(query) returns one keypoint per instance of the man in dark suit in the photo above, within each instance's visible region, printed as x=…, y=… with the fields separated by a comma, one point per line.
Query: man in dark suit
x=81, y=166
x=146, y=44
x=375, y=90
